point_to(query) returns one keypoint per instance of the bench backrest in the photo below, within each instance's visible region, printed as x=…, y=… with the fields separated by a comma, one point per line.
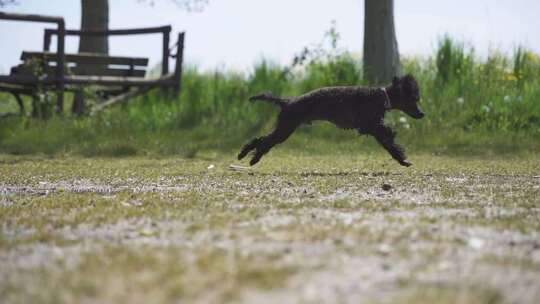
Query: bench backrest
x=164, y=31
x=112, y=65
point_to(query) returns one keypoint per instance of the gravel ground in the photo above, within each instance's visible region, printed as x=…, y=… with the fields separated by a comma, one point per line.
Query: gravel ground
x=174, y=230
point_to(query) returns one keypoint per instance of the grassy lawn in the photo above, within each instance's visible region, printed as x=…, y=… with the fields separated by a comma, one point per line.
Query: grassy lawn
x=298, y=228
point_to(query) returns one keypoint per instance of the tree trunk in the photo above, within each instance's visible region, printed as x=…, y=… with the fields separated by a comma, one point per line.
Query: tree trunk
x=94, y=16
x=381, y=56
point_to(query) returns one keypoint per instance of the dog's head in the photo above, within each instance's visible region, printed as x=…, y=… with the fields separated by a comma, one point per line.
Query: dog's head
x=406, y=96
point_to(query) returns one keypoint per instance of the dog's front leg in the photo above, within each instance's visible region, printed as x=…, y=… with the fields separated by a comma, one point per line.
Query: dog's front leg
x=385, y=136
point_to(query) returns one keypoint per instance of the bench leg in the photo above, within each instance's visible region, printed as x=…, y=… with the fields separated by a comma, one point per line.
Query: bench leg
x=178, y=69
x=78, y=103
x=60, y=99
x=36, y=106
x=20, y=102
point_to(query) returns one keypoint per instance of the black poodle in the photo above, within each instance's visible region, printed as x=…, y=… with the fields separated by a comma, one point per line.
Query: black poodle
x=348, y=107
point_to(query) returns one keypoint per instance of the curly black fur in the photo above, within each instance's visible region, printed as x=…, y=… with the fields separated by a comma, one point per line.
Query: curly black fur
x=354, y=107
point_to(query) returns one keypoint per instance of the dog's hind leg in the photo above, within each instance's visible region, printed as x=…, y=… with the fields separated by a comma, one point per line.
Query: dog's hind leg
x=264, y=144
x=385, y=136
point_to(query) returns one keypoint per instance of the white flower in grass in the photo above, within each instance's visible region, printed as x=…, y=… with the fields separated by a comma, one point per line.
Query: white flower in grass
x=41, y=97
x=404, y=122
x=460, y=100
x=507, y=98
x=486, y=108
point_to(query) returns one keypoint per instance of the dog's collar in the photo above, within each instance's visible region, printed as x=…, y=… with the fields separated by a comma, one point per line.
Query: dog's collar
x=387, y=104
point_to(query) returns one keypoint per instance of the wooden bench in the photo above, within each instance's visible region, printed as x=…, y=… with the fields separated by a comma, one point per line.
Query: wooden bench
x=119, y=77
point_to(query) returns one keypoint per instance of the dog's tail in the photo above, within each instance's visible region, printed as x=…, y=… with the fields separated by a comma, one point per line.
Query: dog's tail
x=268, y=96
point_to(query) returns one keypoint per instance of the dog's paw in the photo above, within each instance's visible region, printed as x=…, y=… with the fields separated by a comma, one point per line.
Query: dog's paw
x=254, y=160
x=405, y=163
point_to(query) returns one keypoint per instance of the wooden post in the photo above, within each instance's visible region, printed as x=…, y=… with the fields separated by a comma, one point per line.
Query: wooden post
x=165, y=61
x=47, y=41
x=61, y=53
x=178, y=68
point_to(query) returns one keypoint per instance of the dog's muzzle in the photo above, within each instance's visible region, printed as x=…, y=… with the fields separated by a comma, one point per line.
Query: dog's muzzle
x=416, y=113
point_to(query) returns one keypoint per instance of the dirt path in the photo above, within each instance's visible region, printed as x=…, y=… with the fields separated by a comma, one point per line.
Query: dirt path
x=167, y=230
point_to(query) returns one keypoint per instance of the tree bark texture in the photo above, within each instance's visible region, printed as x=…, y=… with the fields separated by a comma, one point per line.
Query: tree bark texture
x=381, y=55
x=94, y=16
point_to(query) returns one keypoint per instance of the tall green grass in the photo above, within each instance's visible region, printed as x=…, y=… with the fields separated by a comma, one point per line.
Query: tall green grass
x=473, y=105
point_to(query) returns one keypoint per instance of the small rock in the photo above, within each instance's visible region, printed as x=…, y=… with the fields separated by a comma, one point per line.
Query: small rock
x=384, y=249
x=348, y=221
x=386, y=187
x=475, y=243
x=444, y=265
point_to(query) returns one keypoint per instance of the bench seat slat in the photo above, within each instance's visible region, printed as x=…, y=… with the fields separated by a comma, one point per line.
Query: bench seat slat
x=86, y=58
x=125, y=81
x=85, y=80
x=24, y=70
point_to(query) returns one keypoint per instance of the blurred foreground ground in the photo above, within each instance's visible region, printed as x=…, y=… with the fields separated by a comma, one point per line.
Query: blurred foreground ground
x=309, y=229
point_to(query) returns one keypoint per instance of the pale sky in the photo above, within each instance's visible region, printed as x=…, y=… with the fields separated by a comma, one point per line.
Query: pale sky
x=237, y=33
